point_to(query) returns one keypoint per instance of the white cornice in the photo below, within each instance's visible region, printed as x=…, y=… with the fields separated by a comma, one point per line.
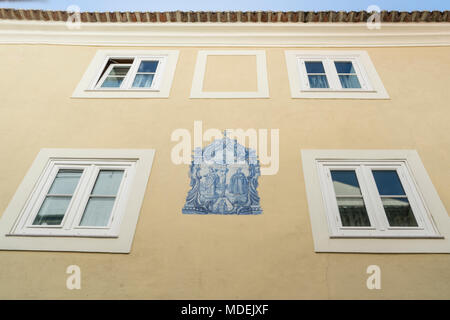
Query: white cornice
x=226, y=34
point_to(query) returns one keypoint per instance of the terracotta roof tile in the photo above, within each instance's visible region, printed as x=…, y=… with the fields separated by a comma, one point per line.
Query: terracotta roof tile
x=233, y=16
x=162, y=17
x=203, y=16
x=102, y=17
x=213, y=17
x=173, y=16
x=62, y=16
x=151, y=16
x=227, y=16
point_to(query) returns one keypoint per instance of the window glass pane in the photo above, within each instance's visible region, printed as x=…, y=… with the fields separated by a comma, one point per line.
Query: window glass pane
x=143, y=80
x=398, y=212
x=112, y=82
x=65, y=182
x=118, y=68
x=388, y=182
x=314, y=67
x=353, y=212
x=349, y=81
x=318, y=81
x=97, y=212
x=119, y=71
x=344, y=67
x=349, y=199
x=148, y=66
x=345, y=182
x=108, y=182
x=52, y=211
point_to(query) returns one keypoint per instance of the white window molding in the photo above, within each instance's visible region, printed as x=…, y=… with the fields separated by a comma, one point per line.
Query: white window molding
x=115, y=180
x=219, y=34
x=91, y=84
x=261, y=73
x=430, y=234
x=365, y=196
x=128, y=82
x=369, y=83
x=76, y=203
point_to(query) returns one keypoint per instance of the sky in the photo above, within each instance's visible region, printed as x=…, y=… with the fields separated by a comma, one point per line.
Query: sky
x=227, y=5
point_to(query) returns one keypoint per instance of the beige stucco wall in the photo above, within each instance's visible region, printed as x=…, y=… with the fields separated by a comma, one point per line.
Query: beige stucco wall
x=239, y=75
x=176, y=256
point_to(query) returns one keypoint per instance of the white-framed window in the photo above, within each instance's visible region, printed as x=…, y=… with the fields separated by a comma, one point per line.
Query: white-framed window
x=135, y=73
x=78, y=200
x=333, y=74
x=373, y=201
x=128, y=74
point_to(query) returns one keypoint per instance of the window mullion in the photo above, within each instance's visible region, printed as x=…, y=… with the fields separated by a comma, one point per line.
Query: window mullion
x=332, y=74
x=91, y=175
x=75, y=201
x=131, y=74
x=378, y=207
x=372, y=201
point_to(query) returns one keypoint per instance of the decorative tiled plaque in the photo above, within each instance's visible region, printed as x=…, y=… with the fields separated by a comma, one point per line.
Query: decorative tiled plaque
x=224, y=180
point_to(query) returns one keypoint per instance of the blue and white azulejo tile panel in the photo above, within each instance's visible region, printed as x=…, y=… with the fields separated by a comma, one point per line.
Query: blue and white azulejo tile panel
x=224, y=180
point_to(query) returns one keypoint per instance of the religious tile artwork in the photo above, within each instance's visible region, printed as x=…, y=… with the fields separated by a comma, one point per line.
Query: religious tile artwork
x=224, y=180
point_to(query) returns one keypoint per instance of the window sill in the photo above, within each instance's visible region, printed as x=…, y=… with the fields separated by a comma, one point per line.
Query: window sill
x=335, y=91
x=123, y=90
x=385, y=237
x=120, y=94
x=340, y=94
x=61, y=235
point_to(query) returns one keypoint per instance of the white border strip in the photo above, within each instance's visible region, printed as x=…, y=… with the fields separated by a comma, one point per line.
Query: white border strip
x=324, y=34
x=261, y=73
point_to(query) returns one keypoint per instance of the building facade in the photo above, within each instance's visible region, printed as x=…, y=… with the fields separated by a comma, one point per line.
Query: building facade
x=117, y=131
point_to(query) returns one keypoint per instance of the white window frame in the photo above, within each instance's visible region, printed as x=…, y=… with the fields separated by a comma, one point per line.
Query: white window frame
x=331, y=73
x=433, y=232
x=200, y=69
x=374, y=207
x=127, y=83
x=70, y=224
x=102, y=79
x=90, y=84
x=17, y=231
x=371, y=85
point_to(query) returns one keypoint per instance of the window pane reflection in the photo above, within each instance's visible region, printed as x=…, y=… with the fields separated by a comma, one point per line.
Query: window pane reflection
x=352, y=209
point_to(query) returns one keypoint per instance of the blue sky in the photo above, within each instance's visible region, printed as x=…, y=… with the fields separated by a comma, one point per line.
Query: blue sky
x=211, y=5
